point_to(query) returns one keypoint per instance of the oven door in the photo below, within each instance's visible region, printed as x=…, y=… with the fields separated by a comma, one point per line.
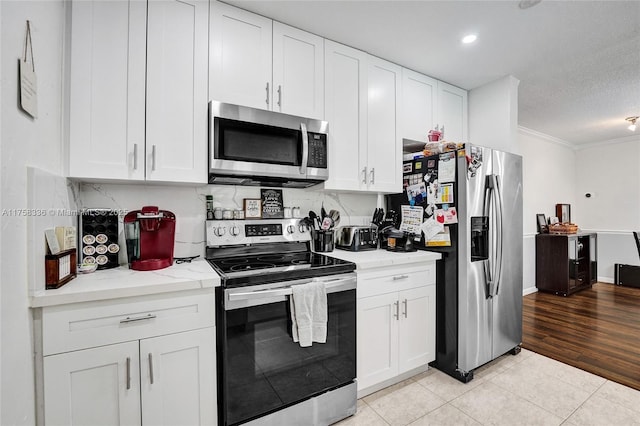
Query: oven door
x=260, y=368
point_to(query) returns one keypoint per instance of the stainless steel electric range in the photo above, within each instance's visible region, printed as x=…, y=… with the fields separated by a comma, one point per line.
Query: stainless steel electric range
x=264, y=377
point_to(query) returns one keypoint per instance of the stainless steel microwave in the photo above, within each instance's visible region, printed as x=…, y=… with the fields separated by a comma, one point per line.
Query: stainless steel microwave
x=249, y=146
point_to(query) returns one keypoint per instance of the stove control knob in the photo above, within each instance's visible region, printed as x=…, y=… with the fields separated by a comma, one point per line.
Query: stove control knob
x=291, y=229
x=234, y=231
x=220, y=231
x=303, y=228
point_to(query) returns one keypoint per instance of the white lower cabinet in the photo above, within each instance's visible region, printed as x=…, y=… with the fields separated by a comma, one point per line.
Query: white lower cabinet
x=167, y=380
x=93, y=386
x=396, y=325
x=158, y=379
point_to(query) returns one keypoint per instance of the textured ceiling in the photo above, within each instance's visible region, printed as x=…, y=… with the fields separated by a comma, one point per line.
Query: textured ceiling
x=578, y=62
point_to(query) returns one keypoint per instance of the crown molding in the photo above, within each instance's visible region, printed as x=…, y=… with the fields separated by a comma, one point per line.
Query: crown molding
x=632, y=138
x=546, y=137
x=577, y=147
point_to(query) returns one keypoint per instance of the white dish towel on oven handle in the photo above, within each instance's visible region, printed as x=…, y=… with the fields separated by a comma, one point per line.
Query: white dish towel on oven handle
x=309, y=313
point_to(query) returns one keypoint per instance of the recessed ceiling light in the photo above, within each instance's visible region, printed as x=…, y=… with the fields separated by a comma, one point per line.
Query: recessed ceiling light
x=469, y=38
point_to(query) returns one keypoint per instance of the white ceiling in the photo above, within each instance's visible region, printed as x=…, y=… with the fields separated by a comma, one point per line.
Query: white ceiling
x=578, y=62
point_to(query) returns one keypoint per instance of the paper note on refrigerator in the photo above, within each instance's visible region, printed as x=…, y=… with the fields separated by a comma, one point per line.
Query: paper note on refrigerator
x=442, y=239
x=444, y=194
x=447, y=167
x=411, y=219
x=431, y=227
x=446, y=216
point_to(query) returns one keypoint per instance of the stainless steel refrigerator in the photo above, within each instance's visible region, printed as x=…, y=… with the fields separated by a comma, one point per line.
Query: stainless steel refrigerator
x=479, y=279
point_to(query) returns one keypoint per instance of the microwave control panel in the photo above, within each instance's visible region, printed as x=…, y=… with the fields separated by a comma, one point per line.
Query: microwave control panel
x=317, y=150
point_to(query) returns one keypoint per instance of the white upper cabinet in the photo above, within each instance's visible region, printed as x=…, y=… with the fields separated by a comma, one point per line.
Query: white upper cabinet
x=362, y=99
x=384, y=148
x=118, y=49
x=346, y=113
x=298, y=72
x=452, y=112
x=419, y=99
x=240, y=57
x=428, y=103
x=260, y=63
x=177, y=98
x=107, y=93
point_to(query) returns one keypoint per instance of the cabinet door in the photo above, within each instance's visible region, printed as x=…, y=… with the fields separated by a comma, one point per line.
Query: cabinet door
x=419, y=94
x=240, y=55
x=178, y=379
x=346, y=112
x=452, y=112
x=417, y=332
x=377, y=319
x=298, y=72
x=177, y=100
x=99, y=386
x=384, y=149
x=107, y=95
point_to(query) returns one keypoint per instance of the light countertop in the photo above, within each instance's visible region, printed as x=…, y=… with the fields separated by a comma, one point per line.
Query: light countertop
x=381, y=258
x=124, y=282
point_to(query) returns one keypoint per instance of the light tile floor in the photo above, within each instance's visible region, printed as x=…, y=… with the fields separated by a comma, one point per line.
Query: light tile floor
x=526, y=389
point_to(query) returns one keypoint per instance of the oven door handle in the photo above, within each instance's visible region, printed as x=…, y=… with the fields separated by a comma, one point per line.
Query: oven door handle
x=332, y=286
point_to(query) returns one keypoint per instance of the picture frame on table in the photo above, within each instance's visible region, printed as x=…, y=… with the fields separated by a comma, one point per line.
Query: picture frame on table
x=563, y=212
x=252, y=208
x=541, y=223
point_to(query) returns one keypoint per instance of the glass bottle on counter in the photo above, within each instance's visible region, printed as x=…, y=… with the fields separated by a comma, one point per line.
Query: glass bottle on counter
x=209, y=207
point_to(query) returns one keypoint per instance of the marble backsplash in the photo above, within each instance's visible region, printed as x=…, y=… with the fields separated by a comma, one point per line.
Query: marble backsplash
x=51, y=202
x=189, y=206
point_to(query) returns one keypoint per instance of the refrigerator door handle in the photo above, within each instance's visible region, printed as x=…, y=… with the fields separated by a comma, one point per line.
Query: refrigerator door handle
x=499, y=232
x=488, y=264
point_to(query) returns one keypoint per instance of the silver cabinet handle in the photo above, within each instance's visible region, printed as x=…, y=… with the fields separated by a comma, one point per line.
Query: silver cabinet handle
x=128, y=373
x=134, y=319
x=135, y=156
x=153, y=158
x=364, y=175
x=305, y=149
x=150, y=368
x=397, y=314
x=400, y=277
x=373, y=175
x=280, y=96
x=405, y=307
x=267, y=89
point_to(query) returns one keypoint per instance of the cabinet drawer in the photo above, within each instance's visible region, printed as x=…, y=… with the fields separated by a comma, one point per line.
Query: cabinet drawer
x=396, y=279
x=84, y=325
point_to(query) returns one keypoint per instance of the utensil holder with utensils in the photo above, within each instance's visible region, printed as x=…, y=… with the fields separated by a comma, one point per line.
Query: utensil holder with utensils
x=322, y=240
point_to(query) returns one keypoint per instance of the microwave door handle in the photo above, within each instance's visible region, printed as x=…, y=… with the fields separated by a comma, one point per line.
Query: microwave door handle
x=305, y=149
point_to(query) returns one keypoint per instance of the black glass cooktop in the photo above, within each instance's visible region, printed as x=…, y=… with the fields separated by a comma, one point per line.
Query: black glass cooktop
x=240, y=270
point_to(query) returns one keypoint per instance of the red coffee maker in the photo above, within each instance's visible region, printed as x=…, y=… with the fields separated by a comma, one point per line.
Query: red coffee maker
x=150, y=235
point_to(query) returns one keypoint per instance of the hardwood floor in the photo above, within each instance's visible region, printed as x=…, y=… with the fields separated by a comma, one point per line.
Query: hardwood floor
x=597, y=330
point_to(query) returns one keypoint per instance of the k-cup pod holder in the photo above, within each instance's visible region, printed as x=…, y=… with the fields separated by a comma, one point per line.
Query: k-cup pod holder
x=98, y=229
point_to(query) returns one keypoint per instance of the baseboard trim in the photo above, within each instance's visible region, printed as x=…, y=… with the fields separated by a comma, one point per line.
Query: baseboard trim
x=529, y=290
x=392, y=381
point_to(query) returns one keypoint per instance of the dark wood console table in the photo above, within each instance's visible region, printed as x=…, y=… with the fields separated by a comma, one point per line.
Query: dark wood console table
x=566, y=263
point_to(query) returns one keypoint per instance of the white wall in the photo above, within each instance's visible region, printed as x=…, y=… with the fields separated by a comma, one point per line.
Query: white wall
x=24, y=141
x=610, y=172
x=549, y=176
x=493, y=115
